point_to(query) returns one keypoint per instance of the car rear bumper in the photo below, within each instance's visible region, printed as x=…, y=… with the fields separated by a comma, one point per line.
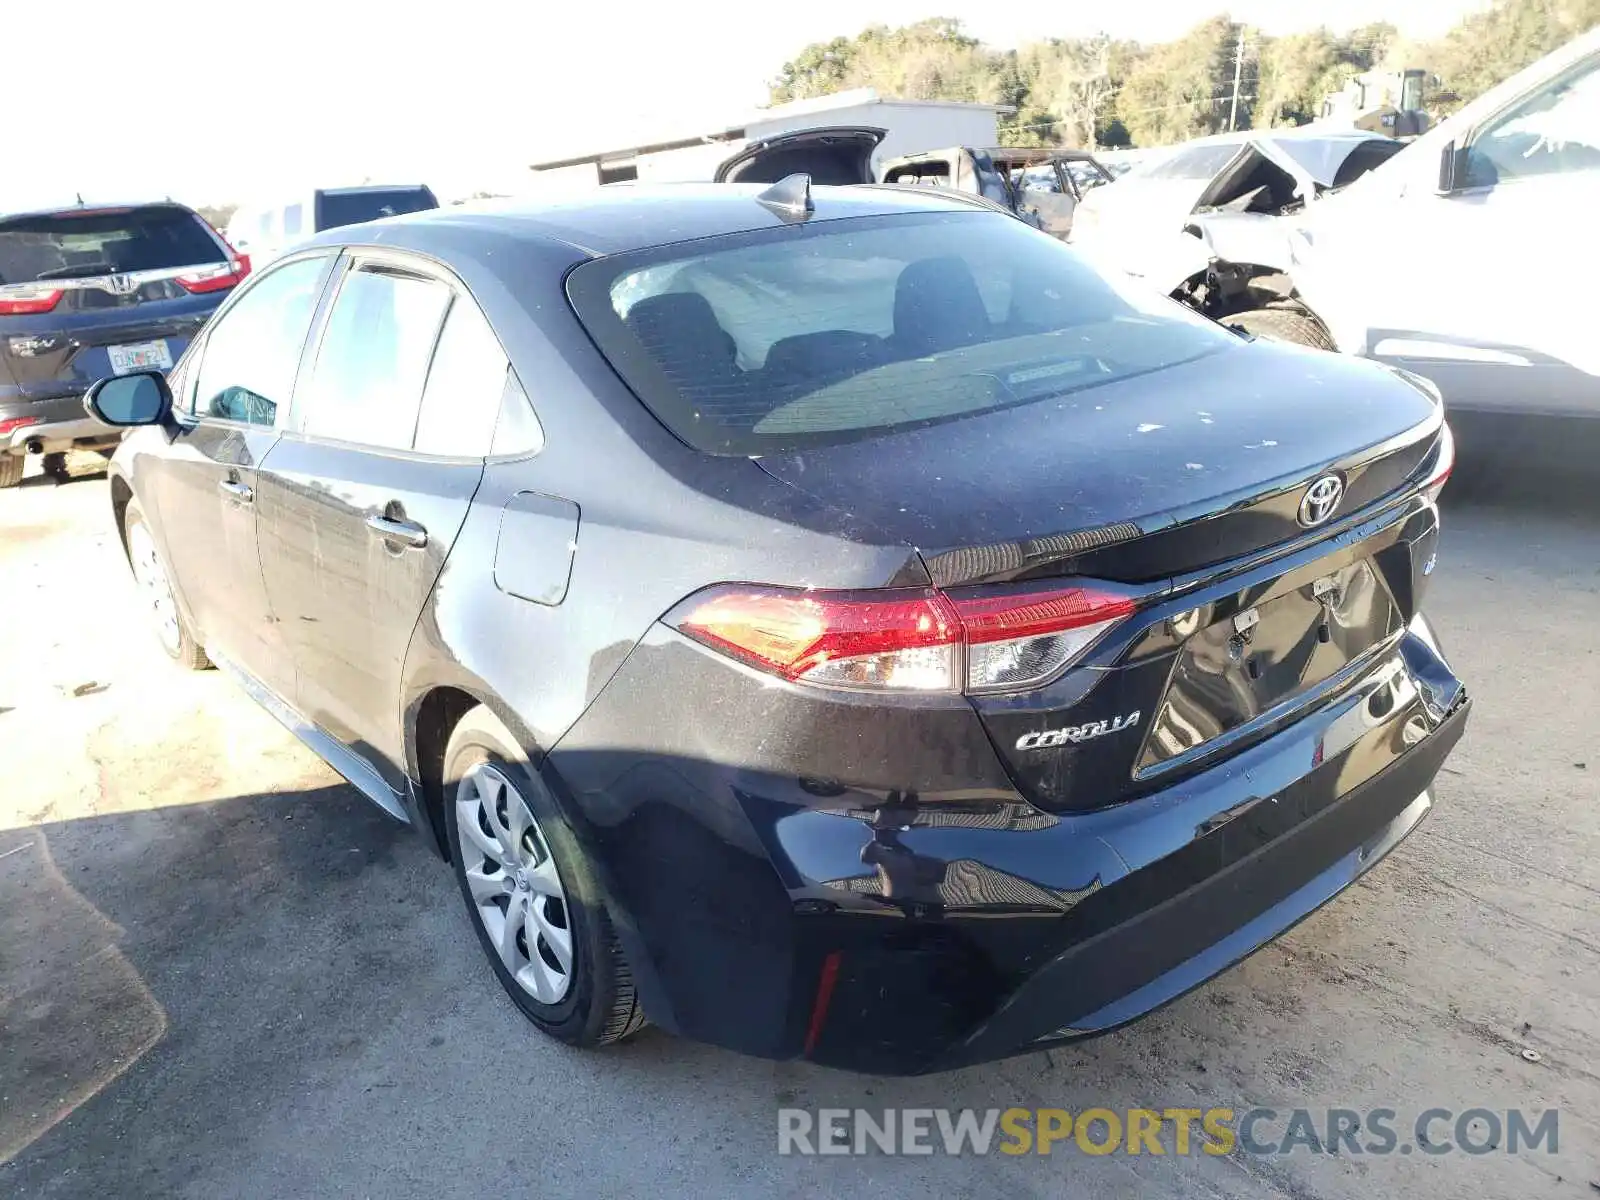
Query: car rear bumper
x=56, y=425
x=898, y=933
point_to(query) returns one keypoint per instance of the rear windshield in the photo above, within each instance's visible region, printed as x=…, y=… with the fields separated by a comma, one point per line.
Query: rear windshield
x=80, y=244
x=351, y=208
x=838, y=330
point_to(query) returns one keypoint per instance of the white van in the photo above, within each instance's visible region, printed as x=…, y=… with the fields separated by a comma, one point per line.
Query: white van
x=1471, y=257
x=264, y=231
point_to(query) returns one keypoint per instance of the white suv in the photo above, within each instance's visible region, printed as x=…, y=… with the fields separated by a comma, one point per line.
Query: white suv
x=1471, y=257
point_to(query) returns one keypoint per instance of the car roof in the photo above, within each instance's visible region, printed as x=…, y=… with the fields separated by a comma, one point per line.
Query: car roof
x=364, y=188
x=627, y=216
x=88, y=207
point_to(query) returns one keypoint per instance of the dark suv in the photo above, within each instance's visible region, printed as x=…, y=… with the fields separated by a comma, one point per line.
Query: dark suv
x=87, y=292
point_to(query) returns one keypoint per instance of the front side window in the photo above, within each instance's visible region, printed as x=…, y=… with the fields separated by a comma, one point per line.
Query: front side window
x=778, y=340
x=367, y=383
x=1555, y=130
x=465, y=385
x=252, y=350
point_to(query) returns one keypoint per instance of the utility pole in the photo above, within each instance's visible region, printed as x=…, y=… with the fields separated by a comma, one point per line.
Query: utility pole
x=1238, y=71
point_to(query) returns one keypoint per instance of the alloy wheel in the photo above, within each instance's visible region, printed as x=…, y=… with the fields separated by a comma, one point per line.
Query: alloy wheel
x=151, y=578
x=516, y=891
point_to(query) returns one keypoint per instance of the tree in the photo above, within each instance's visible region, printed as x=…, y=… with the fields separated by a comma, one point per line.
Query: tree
x=1492, y=45
x=1099, y=92
x=1182, y=89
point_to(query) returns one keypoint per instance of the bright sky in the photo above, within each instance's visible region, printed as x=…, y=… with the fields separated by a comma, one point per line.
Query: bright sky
x=215, y=103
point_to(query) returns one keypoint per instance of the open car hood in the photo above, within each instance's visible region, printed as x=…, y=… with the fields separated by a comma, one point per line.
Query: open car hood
x=1312, y=162
x=836, y=154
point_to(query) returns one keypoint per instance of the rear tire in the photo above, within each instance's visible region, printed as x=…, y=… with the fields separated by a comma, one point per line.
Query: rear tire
x=561, y=964
x=1283, y=325
x=155, y=588
x=11, y=468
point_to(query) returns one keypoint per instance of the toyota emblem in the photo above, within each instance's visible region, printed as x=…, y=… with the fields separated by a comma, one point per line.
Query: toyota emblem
x=1320, y=500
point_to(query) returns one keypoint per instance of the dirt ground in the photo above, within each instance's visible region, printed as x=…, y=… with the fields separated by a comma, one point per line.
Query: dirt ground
x=223, y=973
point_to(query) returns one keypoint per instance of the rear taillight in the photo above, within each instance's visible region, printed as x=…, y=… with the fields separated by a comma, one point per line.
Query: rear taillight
x=896, y=640
x=11, y=424
x=20, y=299
x=1020, y=639
x=215, y=279
x=1443, y=463
x=906, y=640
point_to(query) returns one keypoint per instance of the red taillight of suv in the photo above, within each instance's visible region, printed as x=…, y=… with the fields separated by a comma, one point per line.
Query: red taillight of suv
x=904, y=640
x=217, y=278
x=21, y=299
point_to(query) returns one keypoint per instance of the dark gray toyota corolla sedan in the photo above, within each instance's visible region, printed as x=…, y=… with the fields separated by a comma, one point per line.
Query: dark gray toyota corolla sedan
x=830, y=623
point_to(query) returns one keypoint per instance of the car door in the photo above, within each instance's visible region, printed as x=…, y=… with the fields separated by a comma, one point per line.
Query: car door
x=362, y=499
x=1044, y=199
x=1483, y=283
x=232, y=397
x=1526, y=190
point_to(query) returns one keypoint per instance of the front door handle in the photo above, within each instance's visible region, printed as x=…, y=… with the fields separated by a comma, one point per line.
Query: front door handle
x=235, y=490
x=407, y=533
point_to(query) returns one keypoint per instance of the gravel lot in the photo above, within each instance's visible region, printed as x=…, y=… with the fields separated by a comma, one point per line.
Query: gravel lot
x=223, y=973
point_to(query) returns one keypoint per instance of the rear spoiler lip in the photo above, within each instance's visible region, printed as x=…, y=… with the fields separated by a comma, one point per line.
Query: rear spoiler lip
x=949, y=568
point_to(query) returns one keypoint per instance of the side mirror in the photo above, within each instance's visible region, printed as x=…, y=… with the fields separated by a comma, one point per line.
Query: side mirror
x=141, y=398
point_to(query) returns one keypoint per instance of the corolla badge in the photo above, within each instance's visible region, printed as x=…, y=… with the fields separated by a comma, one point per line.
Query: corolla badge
x=1045, y=738
x=1320, y=500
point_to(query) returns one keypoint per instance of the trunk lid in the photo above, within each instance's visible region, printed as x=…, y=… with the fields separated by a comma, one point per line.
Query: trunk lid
x=835, y=155
x=1146, y=477
x=1186, y=486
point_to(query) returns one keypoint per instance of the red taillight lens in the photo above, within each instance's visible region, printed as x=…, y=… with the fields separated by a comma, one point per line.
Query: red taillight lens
x=215, y=279
x=919, y=640
x=20, y=299
x=11, y=424
x=899, y=640
x=1443, y=464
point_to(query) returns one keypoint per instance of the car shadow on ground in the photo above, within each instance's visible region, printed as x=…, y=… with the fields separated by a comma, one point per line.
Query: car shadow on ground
x=187, y=978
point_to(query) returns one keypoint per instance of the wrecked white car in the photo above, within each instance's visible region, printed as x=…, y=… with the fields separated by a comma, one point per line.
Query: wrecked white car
x=1210, y=222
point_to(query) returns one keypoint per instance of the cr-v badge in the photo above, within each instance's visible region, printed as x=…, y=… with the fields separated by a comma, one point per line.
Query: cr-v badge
x=1046, y=738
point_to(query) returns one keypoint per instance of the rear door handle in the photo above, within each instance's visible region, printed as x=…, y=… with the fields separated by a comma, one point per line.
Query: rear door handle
x=407, y=533
x=235, y=490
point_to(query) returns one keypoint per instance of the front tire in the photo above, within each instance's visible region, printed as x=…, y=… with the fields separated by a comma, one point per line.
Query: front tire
x=530, y=893
x=1283, y=325
x=150, y=574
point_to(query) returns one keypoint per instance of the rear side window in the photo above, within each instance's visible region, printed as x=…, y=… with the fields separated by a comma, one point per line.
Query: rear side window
x=252, y=351
x=465, y=386
x=762, y=342
x=367, y=383
x=82, y=244
x=335, y=209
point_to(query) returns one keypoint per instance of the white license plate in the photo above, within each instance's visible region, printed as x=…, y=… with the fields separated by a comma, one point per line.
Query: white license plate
x=143, y=356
